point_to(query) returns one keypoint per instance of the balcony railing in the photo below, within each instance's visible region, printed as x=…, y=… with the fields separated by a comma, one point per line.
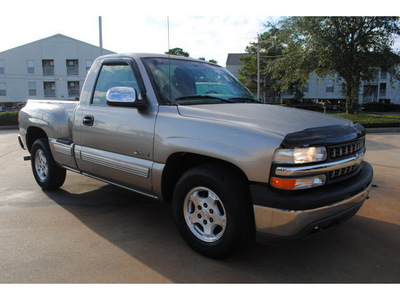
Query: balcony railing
x=48, y=71
x=74, y=70
x=73, y=92
x=49, y=93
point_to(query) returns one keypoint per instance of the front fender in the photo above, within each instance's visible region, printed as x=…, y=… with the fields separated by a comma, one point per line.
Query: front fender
x=251, y=150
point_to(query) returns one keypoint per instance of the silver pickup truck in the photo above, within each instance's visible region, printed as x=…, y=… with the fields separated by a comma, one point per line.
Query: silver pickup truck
x=187, y=132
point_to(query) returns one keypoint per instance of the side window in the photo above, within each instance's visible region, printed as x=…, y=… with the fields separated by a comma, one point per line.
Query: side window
x=111, y=76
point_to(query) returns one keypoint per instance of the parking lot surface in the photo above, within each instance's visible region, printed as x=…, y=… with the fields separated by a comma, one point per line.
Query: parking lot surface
x=92, y=232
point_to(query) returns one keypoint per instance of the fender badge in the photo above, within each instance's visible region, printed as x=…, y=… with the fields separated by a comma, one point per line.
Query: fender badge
x=139, y=153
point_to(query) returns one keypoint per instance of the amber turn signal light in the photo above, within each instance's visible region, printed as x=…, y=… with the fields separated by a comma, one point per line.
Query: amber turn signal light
x=298, y=183
x=286, y=184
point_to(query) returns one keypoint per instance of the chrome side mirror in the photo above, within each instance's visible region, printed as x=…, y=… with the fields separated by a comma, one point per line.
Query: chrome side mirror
x=121, y=96
x=124, y=96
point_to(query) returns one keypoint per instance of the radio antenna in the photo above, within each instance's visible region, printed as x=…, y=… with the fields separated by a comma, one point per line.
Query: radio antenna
x=168, y=33
x=169, y=65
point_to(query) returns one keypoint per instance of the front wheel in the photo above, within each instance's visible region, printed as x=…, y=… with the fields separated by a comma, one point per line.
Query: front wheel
x=47, y=173
x=212, y=210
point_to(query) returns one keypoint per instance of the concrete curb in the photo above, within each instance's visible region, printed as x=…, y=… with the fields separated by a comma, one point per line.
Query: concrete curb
x=9, y=127
x=383, y=130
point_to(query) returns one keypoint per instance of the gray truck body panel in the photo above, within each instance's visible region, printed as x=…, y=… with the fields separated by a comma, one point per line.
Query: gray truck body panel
x=130, y=147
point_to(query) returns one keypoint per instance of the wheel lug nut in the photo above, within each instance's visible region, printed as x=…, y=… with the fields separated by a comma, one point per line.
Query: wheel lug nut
x=205, y=205
x=199, y=216
x=199, y=207
x=211, y=211
x=205, y=222
x=211, y=220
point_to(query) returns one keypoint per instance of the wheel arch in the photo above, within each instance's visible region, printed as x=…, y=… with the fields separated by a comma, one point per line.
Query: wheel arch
x=34, y=133
x=179, y=163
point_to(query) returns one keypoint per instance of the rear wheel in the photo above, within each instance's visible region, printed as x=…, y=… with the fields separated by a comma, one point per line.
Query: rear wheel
x=47, y=173
x=212, y=210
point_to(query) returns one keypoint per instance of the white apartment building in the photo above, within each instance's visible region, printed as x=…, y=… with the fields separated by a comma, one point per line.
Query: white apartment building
x=51, y=68
x=317, y=89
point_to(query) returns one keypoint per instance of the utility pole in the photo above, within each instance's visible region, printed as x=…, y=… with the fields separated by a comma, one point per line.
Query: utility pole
x=379, y=86
x=100, y=36
x=168, y=33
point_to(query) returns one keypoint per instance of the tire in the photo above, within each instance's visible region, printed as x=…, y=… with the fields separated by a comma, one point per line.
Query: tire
x=47, y=173
x=212, y=210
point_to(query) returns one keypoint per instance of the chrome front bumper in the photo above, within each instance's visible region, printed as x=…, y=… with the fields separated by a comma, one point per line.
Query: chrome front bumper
x=289, y=223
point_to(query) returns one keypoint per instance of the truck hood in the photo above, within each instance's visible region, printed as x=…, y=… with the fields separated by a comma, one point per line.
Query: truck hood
x=276, y=119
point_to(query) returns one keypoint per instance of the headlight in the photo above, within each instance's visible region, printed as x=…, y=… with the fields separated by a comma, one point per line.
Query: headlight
x=300, y=155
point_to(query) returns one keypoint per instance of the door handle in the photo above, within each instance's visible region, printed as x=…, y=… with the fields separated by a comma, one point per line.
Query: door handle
x=88, y=120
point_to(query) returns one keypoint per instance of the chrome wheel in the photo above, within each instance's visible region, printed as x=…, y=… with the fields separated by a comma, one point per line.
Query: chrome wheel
x=41, y=165
x=205, y=214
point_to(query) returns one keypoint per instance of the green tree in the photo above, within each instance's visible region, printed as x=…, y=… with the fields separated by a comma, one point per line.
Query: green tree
x=178, y=52
x=211, y=60
x=269, y=50
x=352, y=47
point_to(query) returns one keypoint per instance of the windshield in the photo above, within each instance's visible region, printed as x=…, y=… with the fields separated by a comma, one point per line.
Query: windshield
x=189, y=82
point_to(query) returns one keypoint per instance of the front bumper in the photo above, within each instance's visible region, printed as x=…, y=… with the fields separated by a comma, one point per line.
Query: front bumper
x=299, y=214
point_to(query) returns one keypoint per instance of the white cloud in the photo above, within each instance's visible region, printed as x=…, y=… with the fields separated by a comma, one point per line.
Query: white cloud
x=213, y=37
x=128, y=27
x=209, y=29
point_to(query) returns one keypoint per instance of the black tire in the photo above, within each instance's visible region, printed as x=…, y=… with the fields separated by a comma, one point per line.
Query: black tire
x=47, y=173
x=212, y=210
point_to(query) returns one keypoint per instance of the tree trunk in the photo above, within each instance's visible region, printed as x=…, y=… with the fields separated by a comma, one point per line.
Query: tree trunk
x=352, y=93
x=349, y=98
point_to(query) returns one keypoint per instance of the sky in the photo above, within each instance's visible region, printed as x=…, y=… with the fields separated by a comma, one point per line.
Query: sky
x=205, y=28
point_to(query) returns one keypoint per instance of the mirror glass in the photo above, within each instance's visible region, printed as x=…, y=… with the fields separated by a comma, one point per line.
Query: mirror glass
x=121, y=94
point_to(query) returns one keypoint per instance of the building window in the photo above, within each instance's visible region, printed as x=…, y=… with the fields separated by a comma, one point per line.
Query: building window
x=89, y=63
x=343, y=88
x=49, y=88
x=1, y=66
x=48, y=67
x=31, y=67
x=382, y=89
x=72, y=67
x=73, y=88
x=32, y=88
x=304, y=89
x=383, y=74
x=329, y=88
x=3, y=89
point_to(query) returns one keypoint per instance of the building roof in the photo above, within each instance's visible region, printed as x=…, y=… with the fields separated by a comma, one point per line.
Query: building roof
x=58, y=36
x=233, y=58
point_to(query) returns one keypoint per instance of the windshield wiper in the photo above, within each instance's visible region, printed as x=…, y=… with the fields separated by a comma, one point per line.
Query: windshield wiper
x=244, y=99
x=203, y=97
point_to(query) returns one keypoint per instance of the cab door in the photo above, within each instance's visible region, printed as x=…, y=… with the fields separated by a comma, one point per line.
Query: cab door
x=116, y=143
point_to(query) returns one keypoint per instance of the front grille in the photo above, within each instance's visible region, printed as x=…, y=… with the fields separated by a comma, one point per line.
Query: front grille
x=343, y=150
x=343, y=171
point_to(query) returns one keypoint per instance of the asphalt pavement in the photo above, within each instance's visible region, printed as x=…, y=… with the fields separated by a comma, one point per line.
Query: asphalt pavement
x=92, y=232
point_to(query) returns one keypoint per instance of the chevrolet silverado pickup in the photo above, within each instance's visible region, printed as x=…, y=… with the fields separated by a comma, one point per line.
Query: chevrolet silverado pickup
x=188, y=132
